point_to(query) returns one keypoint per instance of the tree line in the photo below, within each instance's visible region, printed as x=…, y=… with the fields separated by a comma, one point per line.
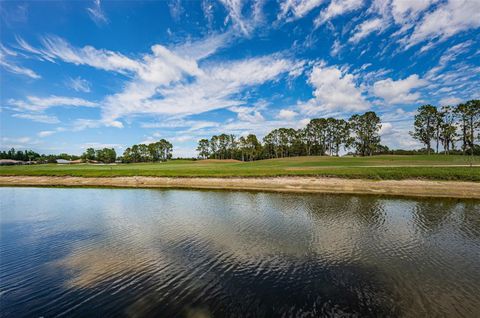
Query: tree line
x=30, y=155
x=448, y=125
x=157, y=151
x=105, y=155
x=321, y=136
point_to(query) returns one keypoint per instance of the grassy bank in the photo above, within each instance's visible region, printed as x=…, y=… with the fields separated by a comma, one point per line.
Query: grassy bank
x=434, y=167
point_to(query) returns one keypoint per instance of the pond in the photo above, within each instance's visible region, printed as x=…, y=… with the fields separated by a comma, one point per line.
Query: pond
x=186, y=253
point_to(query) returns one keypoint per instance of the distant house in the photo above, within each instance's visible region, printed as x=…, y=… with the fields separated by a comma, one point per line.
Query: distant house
x=10, y=162
x=63, y=161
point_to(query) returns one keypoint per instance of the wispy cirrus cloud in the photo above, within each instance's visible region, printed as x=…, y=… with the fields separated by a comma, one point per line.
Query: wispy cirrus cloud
x=8, y=64
x=176, y=9
x=366, y=28
x=444, y=22
x=448, y=57
x=337, y=8
x=213, y=87
x=40, y=118
x=241, y=21
x=181, y=123
x=96, y=13
x=159, y=84
x=55, y=48
x=21, y=142
x=17, y=69
x=46, y=133
x=78, y=84
x=405, y=13
x=38, y=104
x=291, y=10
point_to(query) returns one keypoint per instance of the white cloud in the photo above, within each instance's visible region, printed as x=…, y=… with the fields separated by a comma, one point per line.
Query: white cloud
x=367, y=27
x=181, y=123
x=450, y=101
x=37, y=104
x=334, y=90
x=11, y=66
x=17, y=142
x=245, y=25
x=399, y=92
x=176, y=9
x=337, y=8
x=169, y=81
x=448, y=57
x=445, y=21
x=287, y=114
x=407, y=11
x=297, y=9
x=234, y=8
x=249, y=114
x=20, y=140
x=201, y=49
x=181, y=139
x=207, y=8
x=96, y=13
x=46, y=133
x=386, y=129
x=397, y=136
x=336, y=47
x=184, y=152
x=78, y=84
x=212, y=87
x=259, y=128
x=98, y=145
x=41, y=118
x=57, y=48
x=16, y=69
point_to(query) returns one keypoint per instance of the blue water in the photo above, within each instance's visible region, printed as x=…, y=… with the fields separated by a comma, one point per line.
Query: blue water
x=178, y=253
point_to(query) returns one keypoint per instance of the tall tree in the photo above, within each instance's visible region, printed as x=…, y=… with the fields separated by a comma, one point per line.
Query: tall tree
x=437, y=126
x=469, y=117
x=448, y=129
x=424, y=126
x=365, y=129
x=253, y=147
x=203, y=148
x=341, y=134
x=89, y=154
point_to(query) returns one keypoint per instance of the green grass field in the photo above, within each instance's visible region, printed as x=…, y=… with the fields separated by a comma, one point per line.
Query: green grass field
x=434, y=167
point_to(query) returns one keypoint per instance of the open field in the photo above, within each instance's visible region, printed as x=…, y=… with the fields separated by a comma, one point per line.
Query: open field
x=387, y=167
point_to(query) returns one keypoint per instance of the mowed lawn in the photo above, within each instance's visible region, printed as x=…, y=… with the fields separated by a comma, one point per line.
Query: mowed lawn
x=435, y=167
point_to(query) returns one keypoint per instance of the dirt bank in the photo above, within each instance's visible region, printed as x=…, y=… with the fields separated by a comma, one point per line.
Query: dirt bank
x=281, y=184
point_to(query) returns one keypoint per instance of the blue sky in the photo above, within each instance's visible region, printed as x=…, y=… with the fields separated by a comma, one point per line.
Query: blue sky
x=78, y=74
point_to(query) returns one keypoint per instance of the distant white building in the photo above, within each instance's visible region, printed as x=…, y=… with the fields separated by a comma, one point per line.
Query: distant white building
x=63, y=161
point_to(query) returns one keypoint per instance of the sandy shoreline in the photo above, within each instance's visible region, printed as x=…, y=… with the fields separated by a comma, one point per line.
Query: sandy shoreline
x=422, y=188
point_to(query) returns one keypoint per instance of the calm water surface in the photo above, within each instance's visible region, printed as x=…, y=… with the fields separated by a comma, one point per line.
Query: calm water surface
x=168, y=253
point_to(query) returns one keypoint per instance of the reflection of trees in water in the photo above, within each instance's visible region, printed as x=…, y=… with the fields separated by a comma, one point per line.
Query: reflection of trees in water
x=368, y=210
x=469, y=218
x=429, y=215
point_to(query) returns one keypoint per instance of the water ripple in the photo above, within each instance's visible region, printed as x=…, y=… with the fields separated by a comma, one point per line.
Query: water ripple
x=142, y=253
